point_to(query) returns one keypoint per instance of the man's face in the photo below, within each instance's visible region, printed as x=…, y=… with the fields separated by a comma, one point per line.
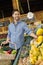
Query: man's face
x=16, y=15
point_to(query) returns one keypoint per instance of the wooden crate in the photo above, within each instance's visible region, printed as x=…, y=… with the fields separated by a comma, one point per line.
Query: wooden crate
x=7, y=56
x=5, y=62
x=5, y=59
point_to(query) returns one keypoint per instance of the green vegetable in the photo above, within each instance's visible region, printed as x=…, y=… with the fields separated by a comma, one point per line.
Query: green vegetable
x=1, y=51
x=13, y=52
x=5, y=48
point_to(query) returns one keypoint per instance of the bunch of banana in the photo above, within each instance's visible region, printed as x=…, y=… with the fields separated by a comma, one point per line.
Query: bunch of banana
x=39, y=39
x=41, y=49
x=39, y=31
x=34, y=53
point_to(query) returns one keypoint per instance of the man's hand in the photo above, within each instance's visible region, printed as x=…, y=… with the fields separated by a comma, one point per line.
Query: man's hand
x=33, y=35
x=5, y=42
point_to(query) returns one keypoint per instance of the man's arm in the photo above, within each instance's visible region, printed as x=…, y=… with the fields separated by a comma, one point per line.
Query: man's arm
x=8, y=38
x=29, y=31
x=33, y=35
x=6, y=42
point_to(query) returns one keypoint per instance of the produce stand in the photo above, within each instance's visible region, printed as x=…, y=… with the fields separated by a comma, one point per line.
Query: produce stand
x=5, y=59
x=7, y=56
x=22, y=57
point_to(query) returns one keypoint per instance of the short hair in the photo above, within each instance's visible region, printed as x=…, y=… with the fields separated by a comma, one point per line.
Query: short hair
x=15, y=10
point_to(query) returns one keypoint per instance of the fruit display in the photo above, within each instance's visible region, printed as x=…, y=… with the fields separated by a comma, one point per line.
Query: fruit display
x=39, y=31
x=6, y=50
x=40, y=39
x=36, y=51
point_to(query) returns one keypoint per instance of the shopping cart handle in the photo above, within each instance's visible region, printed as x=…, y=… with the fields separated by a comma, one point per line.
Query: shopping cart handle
x=18, y=56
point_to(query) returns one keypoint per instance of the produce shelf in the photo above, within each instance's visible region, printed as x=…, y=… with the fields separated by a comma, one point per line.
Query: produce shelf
x=7, y=56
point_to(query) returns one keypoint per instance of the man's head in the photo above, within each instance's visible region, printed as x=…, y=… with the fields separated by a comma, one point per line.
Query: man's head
x=16, y=14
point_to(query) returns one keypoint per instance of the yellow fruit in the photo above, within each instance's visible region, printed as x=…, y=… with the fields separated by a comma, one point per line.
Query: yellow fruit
x=41, y=45
x=39, y=31
x=32, y=59
x=40, y=39
x=36, y=53
x=40, y=57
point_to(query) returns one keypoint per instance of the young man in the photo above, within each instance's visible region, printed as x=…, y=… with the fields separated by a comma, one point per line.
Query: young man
x=16, y=31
